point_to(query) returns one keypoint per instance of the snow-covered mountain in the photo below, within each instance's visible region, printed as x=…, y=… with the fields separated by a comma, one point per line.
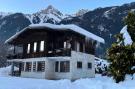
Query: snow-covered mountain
x=81, y=12
x=50, y=14
x=3, y=14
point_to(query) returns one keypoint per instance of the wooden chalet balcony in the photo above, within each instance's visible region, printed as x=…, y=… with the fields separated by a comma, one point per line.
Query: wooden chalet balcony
x=54, y=53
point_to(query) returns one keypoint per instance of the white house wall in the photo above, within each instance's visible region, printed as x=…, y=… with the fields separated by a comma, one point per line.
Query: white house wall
x=74, y=72
x=84, y=72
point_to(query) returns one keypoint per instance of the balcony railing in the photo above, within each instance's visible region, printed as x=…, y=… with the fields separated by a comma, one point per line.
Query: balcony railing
x=54, y=53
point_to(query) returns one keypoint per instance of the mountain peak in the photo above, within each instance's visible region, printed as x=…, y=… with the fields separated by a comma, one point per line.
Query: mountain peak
x=50, y=7
x=51, y=10
x=81, y=12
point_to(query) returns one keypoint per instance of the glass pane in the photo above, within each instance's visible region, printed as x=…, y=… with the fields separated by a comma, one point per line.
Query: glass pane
x=56, y=66
x=65, y=44
x=35, y=46
x=28, y=48
x=64, y=66
x=34, y=66
x=79, y=64
x=42, y=46
x=28, y=66
x=41, y=66
x=89, y=65
x=78, y=47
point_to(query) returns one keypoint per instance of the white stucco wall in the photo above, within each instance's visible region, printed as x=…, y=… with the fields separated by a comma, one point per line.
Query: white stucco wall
x=84, y=72
x=40, y=75
x=74, y=72
x=49, y=69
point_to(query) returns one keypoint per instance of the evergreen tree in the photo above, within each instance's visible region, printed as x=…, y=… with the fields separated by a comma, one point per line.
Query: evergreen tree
x=130, y=22
x=120, y=56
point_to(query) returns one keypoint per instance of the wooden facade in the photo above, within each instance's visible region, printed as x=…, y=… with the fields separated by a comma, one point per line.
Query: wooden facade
x=56, y=43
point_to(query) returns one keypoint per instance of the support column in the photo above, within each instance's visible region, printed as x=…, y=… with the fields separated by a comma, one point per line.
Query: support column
x=14, y=50
x=32, y=66
x=20, y=68
x=12, y=69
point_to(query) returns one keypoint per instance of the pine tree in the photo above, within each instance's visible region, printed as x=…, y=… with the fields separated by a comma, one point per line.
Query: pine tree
x=130, y=22
x=120, y=56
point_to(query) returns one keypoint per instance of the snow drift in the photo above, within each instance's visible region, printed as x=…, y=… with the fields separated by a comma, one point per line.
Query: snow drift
x=6, y=71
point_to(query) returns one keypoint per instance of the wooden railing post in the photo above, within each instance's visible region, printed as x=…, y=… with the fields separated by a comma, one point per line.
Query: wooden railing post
x=12, y=69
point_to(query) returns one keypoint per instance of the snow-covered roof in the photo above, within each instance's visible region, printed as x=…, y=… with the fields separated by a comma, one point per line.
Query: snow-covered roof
x=59, y=27
x=126, y=36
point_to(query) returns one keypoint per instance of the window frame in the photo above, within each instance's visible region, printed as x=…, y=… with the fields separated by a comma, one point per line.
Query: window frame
x=42, y=66
x=66, y=68
x=57, y=63
x=28, y=66
x=79, y=64
x=42, y=46
x=34, y=66
x=35, y=47
x=28, y=48
x=89, y=65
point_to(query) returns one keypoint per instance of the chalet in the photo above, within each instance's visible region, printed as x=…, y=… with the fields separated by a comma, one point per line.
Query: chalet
x=53, y=52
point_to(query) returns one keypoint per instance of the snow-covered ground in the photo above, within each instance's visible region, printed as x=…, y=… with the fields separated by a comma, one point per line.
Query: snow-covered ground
x=6, y=71
x=99, y=82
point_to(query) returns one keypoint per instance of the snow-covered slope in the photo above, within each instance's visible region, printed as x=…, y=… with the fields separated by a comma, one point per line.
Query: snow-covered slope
x=81, y=12
x=50, y=14
x=3, y=14
x=126, y=36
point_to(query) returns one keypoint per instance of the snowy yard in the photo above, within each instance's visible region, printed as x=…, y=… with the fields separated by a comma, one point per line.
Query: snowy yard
x=99, y=82
x=92, y=83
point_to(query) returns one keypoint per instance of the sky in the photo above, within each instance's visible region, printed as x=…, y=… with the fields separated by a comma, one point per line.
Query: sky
x=65, y=6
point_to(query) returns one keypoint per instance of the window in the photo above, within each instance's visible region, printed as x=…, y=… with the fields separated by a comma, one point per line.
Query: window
x=78, y=47
x=79, y=64
x=35, y=46
x=83, y=47
x=42, y=46
x=34, y=66
x=64, y=66
x=89, y=65
x=28, y=48
x=56, y=66
x=41, y=66
x=65, y=44
x=28, y=66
